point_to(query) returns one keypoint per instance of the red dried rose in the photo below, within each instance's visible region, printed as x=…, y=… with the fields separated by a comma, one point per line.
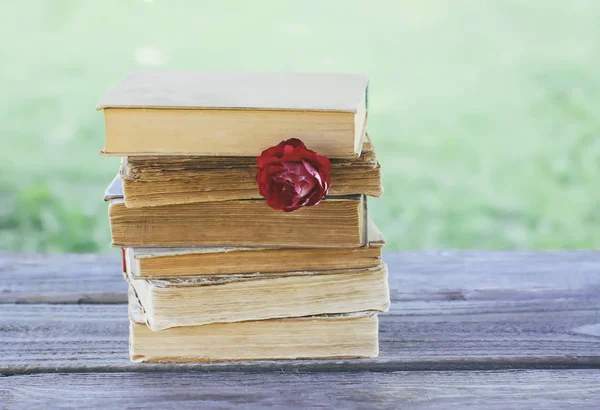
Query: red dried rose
x=291, y=176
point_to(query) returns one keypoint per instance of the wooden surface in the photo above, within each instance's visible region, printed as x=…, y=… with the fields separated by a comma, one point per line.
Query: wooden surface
x=466, y=329
x=438, y=390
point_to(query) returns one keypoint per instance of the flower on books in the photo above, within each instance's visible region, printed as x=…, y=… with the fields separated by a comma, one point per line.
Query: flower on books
x=291, y=176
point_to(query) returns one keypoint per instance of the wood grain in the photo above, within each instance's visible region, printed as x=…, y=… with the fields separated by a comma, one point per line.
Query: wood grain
x=438, y=335
x=61, y=278
x=544, y=389
x=414, y=276
x=471, y=275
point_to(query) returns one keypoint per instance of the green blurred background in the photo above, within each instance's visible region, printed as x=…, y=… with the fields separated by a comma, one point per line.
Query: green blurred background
x=485, y=114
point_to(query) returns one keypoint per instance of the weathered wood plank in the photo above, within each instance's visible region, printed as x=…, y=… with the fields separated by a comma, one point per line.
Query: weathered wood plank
x=417, y=276
x=61, y=278
x=545, y=389
x=492, y=275
x=435, y=335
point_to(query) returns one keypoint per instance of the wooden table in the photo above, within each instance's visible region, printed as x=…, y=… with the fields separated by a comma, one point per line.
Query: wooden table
x=479, y=329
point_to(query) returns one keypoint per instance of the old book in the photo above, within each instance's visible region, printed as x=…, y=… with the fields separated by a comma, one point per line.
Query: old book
x=168, y=180
x=223, y=299
x=334, y=223
x=234, y=114
x=163, y=263
x=318, y=337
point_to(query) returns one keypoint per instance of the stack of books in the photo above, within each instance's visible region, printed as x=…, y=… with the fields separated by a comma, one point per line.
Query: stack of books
x=240, y=206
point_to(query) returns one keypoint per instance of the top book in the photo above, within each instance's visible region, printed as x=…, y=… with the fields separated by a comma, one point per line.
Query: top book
x=234, y=114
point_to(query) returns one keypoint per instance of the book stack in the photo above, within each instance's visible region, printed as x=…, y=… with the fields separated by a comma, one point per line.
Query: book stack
x=240, y=206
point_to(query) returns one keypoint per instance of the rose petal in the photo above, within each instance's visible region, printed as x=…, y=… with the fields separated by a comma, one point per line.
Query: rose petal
x=312, y=171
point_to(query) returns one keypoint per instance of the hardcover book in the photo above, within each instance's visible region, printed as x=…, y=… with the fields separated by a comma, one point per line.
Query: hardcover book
x=234, y=114
x=169, y=180
x=319, y=337
x=238, y=298
x=334, y=223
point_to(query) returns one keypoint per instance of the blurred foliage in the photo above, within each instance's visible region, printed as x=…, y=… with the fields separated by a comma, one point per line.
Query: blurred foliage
x=484, y=114
x=36, y=219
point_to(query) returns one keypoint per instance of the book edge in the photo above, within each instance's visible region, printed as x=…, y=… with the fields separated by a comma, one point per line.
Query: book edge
x=375, y=239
